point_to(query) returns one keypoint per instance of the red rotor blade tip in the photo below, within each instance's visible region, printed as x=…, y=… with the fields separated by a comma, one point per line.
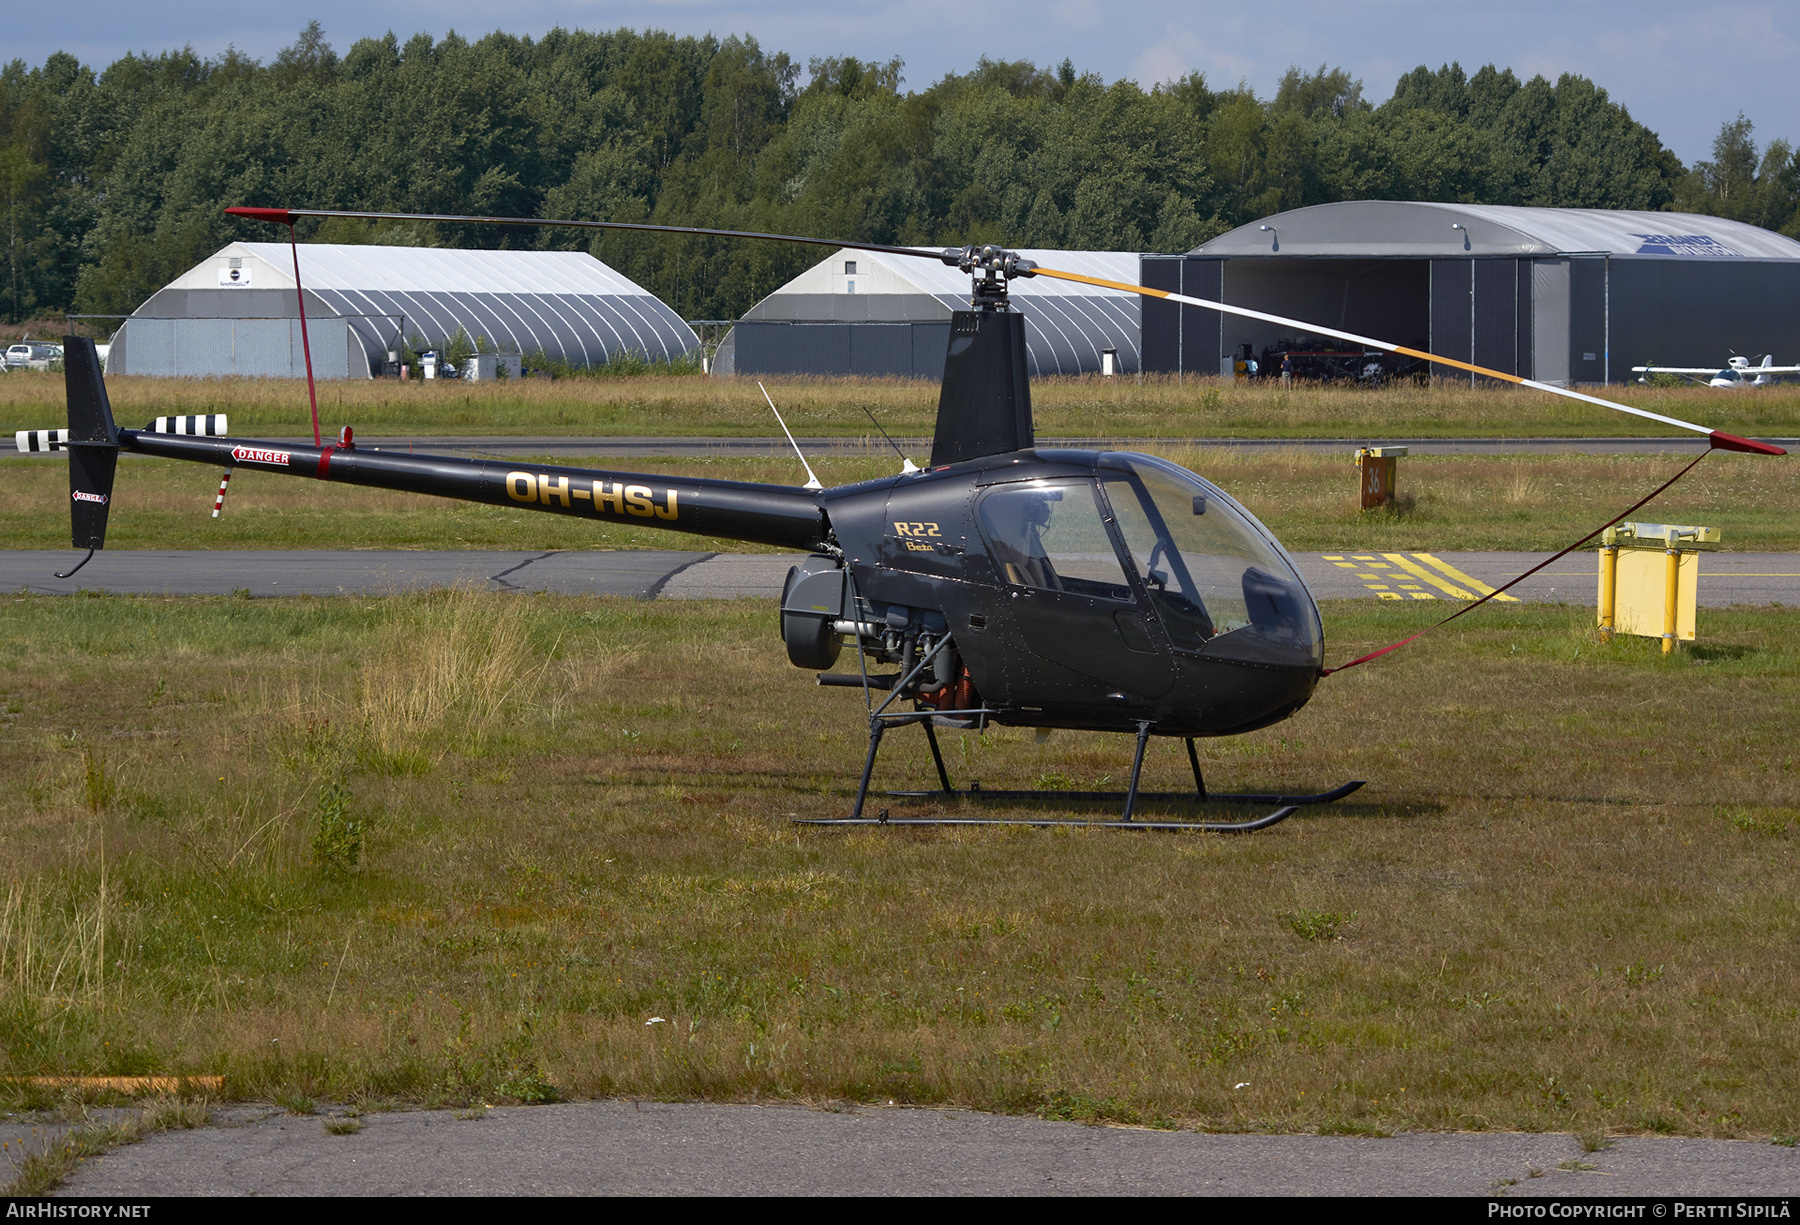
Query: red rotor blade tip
x=280, y=216
x=1731, y=442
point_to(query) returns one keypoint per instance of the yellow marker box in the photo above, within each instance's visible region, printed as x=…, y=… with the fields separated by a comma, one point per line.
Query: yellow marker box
x=1650, y=579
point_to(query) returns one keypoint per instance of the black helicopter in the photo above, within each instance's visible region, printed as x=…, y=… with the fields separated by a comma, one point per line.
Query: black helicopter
x=1005, y=583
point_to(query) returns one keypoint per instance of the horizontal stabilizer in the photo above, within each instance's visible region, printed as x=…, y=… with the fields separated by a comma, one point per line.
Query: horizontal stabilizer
x=200, y=425
x=41, y=440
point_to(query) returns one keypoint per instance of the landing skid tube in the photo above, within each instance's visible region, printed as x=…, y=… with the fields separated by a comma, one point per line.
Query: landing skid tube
x=880, y=721
x=1223, y=797
x=1212, y=827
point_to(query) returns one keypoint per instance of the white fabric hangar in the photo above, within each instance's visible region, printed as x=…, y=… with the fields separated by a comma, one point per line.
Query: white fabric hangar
x=871, y=313
x=235, y=313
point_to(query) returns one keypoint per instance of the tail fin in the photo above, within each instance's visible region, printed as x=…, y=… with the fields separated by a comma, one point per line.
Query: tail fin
x=92, y=443
x=1768, y=359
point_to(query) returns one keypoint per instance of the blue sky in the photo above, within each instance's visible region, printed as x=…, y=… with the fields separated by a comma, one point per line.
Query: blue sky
x=1682, y=68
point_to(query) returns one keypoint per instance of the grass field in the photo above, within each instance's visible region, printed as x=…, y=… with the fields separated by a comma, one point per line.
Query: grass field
x=461, y=847
x=1309, y=500
x=1159, y=406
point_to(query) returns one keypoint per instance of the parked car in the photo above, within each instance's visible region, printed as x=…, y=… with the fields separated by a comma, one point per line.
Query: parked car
x=32, y=355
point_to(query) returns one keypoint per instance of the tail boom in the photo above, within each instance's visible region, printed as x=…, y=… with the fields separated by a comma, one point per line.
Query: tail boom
x=776, y=515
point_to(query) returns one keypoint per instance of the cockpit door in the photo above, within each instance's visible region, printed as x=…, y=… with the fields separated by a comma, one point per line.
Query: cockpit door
x=1071, y=599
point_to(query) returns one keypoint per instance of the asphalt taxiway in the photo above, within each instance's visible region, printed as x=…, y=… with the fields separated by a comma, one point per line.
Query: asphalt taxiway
x=1725, y=578
x=653, y=1148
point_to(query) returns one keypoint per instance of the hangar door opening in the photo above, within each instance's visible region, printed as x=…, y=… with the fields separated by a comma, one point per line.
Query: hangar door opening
x=1388, y=298
x=1512, y=315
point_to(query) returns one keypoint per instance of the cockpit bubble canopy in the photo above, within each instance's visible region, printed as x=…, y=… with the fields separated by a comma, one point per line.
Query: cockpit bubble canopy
x=1218, y=580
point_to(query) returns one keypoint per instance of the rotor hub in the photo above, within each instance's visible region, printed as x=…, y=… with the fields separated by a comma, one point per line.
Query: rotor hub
x=990, y=268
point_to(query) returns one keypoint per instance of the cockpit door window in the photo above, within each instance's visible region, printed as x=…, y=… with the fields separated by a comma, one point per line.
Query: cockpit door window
x=1049, y=535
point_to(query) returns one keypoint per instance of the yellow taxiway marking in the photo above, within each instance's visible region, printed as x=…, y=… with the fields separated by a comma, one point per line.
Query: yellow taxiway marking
x=1460, y=577
x=1458, y=585
x=1466, y=579
x=1436, y=580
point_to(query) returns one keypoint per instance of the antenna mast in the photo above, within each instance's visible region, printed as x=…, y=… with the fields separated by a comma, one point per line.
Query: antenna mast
x=812, y=481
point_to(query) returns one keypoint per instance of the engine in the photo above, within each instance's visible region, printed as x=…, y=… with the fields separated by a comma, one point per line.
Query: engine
x=821, y=614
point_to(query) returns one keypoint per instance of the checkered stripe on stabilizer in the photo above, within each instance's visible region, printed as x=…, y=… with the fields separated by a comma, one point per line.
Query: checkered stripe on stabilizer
x=41, y=440
x=201, y=425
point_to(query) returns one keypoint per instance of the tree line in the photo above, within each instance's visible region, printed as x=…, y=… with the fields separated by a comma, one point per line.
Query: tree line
x=112, y=182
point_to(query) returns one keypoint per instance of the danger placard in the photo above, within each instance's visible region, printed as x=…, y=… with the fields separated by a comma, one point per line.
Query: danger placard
x=255, y=455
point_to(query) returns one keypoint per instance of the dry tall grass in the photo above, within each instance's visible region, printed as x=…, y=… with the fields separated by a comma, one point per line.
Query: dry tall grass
x=444, y=676
x=52, y=956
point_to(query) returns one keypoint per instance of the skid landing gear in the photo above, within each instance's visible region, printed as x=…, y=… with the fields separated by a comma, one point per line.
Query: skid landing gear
x=879, y=723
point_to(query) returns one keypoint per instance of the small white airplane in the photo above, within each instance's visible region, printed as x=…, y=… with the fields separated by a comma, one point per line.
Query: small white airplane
x=1738, y=372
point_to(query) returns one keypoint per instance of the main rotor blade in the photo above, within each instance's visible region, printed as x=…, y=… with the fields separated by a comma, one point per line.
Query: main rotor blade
x=287, y=216
x=1729, y=442
x=1724, y=441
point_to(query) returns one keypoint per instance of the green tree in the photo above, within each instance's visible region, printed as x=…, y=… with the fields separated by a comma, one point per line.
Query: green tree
x=22, y=189
x=1566, y=145
x=1743, y=185
x=1328, y=92
x=112, y=183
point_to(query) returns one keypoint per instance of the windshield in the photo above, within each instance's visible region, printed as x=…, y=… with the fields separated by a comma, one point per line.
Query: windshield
x=1220, y=583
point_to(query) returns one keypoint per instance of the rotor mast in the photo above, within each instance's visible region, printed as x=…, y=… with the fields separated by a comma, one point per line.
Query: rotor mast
x=984, y=405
